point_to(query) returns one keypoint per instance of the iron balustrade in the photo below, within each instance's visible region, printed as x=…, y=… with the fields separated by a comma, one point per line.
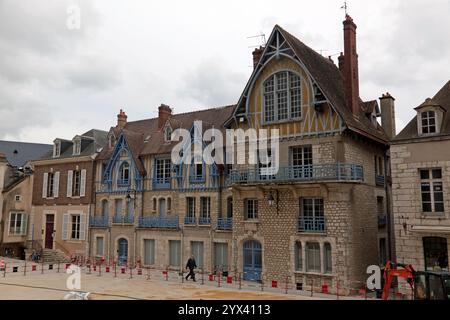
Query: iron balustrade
x=161, y=183
x=127, y=219
x=225, y=224
x=309, y=173
x=159, y=222
x=204, y=221
x=312, y=224
x=190, y=221
x=98, y=222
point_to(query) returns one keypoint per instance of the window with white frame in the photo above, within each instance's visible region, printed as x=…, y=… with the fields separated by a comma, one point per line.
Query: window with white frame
x=75, y=227
x=76, y=147
x=168, y=134
x=432, y=190
x=205, y=207
x=124, y=173
x=313, y=257
x=76, y=183
x=162, y=172
x=428, y=122
x=99, y=246
x=149, y=252
x=251, y=209
x=190, y=207
x=197, y=173
x=302, y=161
x=18, y=223
x=197, y=251
x=50, y=185
x=282, y=97
x=174, y=253
x=18, y=198
x=57, y=149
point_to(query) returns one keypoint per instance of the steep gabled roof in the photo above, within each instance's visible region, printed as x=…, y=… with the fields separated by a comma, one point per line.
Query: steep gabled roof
x=330, y=80
x=441, y=99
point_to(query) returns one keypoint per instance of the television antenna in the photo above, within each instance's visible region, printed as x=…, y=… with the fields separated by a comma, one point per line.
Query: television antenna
x=262, y=38
x=345, y=7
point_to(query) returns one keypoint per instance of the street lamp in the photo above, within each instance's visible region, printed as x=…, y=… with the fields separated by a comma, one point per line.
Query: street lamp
x=272, y=200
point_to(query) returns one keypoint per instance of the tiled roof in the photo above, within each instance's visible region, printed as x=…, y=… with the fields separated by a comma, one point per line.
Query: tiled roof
x=442, y=99
x=330, y=80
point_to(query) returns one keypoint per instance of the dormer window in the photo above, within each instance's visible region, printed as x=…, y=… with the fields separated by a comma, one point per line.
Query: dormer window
x=57, y=149
x=168, y=134
x=282, y=97
x=428, y=122
x=76, y=147
x=124, y=174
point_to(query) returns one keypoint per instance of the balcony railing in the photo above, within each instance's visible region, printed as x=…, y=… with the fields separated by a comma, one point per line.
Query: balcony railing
x=127, y=219
x=380, y=180
x=312, y=224
x=311, y=173
x=98, y=222
x=161, y=183
x=190, y=221
x=225, y=224
x=159, y=222
x=204, y=221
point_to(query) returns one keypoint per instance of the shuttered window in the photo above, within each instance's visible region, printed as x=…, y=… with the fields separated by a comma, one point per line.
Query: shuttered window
x=149, y=252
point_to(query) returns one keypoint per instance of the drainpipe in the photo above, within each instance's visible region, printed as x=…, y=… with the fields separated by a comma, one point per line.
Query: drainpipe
x=388, y=206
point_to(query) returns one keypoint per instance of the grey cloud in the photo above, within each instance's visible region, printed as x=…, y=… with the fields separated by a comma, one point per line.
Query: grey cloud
x=212, y=84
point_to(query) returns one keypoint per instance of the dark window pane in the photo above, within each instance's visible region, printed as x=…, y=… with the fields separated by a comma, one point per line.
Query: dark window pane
x=438, y=197
x=432, y=129
x=425, y=187
x=426, y=197
x=439, y=207
x=437, y=174
x=424, y=174
x=426, y=207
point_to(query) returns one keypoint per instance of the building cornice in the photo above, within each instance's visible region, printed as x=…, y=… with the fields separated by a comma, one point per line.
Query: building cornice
x=421, y=139
x=56, y=161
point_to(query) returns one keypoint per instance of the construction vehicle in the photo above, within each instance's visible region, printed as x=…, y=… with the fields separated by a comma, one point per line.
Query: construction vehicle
x=425, y=285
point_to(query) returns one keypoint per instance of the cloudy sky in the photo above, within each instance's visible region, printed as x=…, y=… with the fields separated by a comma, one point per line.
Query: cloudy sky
x=58, y=82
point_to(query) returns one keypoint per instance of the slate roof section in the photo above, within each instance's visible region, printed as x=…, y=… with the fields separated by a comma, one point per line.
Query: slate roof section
x=92, y=141
x=442, y=99
x=19, y=153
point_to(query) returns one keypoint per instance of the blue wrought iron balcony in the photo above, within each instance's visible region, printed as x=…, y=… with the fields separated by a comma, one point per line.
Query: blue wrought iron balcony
x=204, y=221
x=127, y=219
x=98, y=222
x=190, y=221
x=293, y=174
x=159, y=222
x=380, y=180
x=312, y=224
x=225, y=224
x=123, y=183
x=161, y=183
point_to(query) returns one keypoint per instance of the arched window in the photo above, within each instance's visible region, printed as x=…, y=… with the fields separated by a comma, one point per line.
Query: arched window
x=154, y=204
x=168, y=134
x=298, y=256
x=169, y=204
x=327, y=258
x=124, y=174
x=282, y=97
x=313, y=257
x=105, y=208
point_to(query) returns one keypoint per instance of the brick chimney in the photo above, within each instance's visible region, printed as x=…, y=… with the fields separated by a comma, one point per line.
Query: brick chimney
x=387, y=106
x=164, y=113
x=257, y=54
x=341, y=62
x=121, y=119
x=350, y=66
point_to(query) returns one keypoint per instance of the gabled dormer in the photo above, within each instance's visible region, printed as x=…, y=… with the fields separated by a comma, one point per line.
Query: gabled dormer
x=76, y=146
x=167, y=133
x=429, y=118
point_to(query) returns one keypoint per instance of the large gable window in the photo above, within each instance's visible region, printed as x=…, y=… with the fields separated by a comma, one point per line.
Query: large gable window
x=124, y=174
x=282, y=97
x=428, y=122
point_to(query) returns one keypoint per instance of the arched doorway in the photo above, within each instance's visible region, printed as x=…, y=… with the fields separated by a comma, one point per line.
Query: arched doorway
x=122, y=251
x=252, y=260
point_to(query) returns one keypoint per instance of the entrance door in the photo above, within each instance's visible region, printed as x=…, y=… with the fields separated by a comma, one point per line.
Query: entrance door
x=162, y=207
x=252, y=261
x=123, y=251
x=49, y=227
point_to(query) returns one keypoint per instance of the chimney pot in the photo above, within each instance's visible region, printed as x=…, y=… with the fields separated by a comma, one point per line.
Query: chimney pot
x=164, y=113
x=387, y=106
x=121, y=119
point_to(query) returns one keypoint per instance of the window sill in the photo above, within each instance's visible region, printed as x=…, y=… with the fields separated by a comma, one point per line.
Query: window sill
x=433, y=215
x=252, y=221
x=269, y=123
x=316, y=274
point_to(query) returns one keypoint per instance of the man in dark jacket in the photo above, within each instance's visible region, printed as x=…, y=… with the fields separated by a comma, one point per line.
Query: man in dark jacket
x=191, y=265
